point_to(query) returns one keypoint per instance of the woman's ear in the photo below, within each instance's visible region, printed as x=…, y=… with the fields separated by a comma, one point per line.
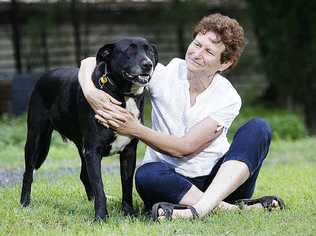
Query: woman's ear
x=104, y=53
x=226, y=65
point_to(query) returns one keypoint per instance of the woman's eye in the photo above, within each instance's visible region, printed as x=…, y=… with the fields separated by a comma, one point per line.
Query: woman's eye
x=196, y=44
x=210, y=52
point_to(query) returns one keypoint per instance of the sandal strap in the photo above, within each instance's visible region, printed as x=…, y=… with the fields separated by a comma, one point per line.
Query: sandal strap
x=194, y=212
x=268, y=200
x=167, y=212
x=240, y=204
x=168, y=208
x=265, y=201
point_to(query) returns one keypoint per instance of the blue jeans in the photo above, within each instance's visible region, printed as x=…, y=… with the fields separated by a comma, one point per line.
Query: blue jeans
x=158, y=181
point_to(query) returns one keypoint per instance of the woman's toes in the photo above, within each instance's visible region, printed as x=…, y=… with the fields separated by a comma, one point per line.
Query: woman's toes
x=161, y=215
x=275, y=204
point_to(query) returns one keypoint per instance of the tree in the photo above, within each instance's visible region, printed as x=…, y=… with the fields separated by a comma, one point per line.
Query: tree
x=16, y=38
x=286, y=34
x=76, y=29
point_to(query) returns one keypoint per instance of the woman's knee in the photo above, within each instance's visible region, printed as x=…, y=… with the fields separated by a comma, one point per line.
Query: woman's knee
x=141, y=173
x=147, y=174
x=260, y=128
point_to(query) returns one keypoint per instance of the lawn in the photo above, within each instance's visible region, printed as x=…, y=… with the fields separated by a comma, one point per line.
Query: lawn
x=59, y=204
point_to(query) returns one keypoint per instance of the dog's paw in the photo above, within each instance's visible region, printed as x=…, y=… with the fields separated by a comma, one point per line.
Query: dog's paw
x=99, y=219
x=25, y=201
x=101, y=216
x=128, y=210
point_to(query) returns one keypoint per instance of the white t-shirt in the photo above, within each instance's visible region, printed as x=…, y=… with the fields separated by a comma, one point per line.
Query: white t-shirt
x=172, y=114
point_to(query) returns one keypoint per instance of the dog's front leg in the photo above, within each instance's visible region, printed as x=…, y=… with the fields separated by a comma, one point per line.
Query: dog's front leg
x=93, y=164
x=127, y=167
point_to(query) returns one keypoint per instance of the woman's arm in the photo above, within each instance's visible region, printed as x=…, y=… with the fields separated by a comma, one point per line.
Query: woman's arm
x=84, y=75
x=198, y=137
x=97, y=99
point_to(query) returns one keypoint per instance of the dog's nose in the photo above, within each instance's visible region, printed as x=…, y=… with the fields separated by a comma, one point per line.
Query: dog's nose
x=147, y=65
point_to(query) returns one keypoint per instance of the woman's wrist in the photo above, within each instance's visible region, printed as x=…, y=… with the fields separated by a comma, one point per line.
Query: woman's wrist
x=139, y=131
x=88, y=91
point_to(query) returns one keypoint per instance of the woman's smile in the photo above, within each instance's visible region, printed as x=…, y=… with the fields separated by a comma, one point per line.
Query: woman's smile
x=194, y=62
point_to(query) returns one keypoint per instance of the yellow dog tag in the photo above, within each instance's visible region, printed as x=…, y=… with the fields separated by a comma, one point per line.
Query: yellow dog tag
x=103, y=80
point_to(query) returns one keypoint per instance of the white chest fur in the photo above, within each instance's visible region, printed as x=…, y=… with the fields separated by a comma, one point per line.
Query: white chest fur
x=122, y=140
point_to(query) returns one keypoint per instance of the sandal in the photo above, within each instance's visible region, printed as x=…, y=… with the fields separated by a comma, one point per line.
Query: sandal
x=266, y=202
x=168, y=208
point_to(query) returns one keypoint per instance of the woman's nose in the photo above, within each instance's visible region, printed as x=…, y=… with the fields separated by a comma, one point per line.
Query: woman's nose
x=197, y=52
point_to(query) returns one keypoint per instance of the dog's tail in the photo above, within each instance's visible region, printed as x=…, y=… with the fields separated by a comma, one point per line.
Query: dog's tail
x=39, y=132
x=43, y=147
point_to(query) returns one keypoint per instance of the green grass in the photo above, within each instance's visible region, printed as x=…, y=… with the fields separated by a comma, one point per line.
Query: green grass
x=59, y=204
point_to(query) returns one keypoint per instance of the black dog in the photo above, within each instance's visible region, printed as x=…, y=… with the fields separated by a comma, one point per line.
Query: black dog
x=57, y=103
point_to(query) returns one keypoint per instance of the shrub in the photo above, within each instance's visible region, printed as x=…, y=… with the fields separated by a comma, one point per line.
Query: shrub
x=285, y=125
x=13, y=131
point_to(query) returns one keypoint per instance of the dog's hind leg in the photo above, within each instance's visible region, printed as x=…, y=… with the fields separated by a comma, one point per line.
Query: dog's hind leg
x=39, y=132
x=127, y=168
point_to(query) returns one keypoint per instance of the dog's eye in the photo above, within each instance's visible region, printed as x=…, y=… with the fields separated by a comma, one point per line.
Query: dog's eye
x=132, y=49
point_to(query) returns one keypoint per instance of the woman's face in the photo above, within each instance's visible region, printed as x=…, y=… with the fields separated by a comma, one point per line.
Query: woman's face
x=204, y=54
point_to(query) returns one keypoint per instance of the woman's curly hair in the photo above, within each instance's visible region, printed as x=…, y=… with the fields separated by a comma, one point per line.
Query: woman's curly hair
x=229, y=32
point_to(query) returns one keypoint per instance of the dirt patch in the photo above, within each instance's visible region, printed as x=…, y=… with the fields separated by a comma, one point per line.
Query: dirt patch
x=8, y=177
x=12, y=176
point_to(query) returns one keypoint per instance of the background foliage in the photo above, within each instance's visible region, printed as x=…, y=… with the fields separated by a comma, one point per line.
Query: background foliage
x=286, y=36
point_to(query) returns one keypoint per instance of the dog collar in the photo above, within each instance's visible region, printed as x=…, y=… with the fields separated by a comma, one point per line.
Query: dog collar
x=106, y=80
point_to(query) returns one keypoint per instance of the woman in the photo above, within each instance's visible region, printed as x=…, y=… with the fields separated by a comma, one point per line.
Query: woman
x=189, y=167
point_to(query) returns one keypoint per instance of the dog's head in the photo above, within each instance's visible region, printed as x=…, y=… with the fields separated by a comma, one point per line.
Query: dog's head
x=128, y=61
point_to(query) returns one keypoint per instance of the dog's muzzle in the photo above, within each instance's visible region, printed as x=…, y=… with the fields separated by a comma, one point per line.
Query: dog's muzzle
x=141, y=79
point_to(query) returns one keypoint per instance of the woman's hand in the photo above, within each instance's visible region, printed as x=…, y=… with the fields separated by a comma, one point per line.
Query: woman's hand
x=97, y=99
x=122, y=121
x=100, y=100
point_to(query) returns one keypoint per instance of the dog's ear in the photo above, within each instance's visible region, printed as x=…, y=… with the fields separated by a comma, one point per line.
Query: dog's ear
x=100, y=69
x=155, y=48
x=104, y=53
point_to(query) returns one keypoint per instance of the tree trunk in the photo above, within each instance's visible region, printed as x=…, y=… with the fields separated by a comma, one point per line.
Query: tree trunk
x=76, y=30
x=44, y=47
x=181, y=46
x=16, y=36
x=309, y=104
x=86, y=31
x=310, y=116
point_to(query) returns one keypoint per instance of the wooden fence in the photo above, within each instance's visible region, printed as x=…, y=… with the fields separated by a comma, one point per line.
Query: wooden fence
x=56, y=35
